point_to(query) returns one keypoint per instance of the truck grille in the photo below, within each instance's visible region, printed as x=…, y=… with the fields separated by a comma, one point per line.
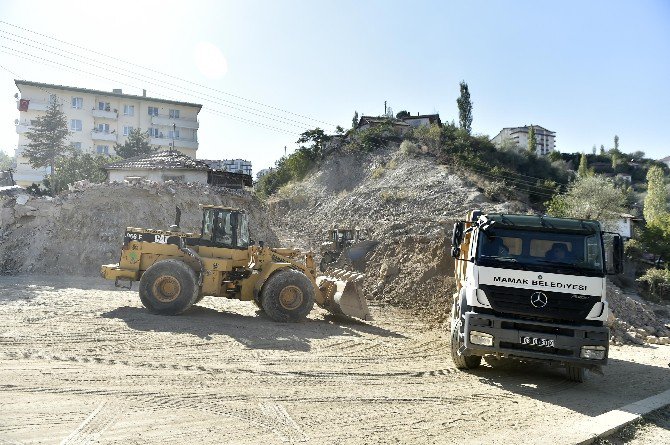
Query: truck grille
x=560, y=306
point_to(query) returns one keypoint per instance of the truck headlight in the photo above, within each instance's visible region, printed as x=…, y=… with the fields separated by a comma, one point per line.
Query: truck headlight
x=481, y=338
x=593, y=352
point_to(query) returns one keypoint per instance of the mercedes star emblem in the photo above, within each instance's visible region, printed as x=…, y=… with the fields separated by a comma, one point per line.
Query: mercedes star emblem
x=538, y=299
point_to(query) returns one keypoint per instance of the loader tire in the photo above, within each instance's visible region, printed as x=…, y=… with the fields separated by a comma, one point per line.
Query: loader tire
x=169, y=287
x=287, y=296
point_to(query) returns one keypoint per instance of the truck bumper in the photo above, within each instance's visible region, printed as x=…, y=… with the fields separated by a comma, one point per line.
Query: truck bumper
x=515, y=338
x=114, y=272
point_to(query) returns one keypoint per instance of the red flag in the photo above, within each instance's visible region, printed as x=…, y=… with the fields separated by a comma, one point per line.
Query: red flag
x=23, y=104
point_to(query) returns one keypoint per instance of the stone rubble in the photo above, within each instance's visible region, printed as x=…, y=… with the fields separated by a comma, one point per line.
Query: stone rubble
x=81, y=229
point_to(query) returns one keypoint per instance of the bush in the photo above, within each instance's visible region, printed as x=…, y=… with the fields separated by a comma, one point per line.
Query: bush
x=408, y=147
x=656, y=284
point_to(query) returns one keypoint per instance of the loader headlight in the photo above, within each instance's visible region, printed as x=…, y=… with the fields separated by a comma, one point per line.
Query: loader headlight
x=593, y=352
x=481, y=338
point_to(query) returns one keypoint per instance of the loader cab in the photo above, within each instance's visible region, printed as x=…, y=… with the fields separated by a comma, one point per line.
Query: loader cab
x=224, y=227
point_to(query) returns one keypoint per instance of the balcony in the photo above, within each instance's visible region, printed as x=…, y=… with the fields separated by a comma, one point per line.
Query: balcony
x=180, y=122
x=34, y=106
x=178, y=142
x=106, y=114
x=23, y=127
x=103, y=136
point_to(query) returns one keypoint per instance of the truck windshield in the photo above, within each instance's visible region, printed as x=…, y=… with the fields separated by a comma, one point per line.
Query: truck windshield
x=566, y=253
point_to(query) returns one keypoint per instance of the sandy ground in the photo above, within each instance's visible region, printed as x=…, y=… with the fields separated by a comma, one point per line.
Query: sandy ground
x=82, y=362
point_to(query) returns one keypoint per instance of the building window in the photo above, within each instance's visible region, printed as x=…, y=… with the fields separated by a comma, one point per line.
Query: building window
x=126, y=130
x=77, y=102
x=104, y=106
x=102, y=149
x=75, y=145
x=153, y=111
x=103, y=128
x=129, y=110
x=174, y=114
x=153, y=132
x=75, y=125
x=173, y=134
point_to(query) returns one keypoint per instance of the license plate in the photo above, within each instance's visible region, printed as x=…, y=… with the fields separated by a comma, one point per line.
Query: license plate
x=535, y=341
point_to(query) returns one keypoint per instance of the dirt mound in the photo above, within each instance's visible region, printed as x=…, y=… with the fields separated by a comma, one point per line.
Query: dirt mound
x=634, y=321
x=76, y=232
x=407, y=202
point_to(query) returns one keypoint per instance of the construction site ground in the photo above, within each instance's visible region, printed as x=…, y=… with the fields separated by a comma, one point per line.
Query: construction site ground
x=82, y=362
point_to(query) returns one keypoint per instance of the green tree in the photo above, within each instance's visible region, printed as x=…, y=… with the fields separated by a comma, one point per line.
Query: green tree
x=602, y=150
x=616, y=142
x=656, y=201
x=590, y=197
x=532, y=140
x=339, y=130
x=402, y=114
x=137, y=144
x=354, y=121
x=48, y=138
x=593, y=150
x=583, y=170
x=80, y=166
x=318, y=138
x=464, y=108
x=6, y=161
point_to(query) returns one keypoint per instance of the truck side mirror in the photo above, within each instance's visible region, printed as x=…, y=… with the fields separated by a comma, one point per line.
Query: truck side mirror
x=618, y=254
x=457, y=235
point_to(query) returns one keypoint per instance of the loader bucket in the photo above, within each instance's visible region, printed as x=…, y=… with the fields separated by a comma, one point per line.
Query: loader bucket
x=343, y=294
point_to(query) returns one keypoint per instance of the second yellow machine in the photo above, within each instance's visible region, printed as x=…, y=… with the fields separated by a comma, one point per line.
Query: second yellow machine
x=176, y=270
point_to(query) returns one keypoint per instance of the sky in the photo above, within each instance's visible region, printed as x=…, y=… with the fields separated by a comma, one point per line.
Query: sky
x=265, y=71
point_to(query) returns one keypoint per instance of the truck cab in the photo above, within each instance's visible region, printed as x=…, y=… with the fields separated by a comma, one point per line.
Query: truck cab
x=532, y=288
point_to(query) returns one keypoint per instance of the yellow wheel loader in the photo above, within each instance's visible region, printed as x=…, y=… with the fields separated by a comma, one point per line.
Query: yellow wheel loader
x=176, y=270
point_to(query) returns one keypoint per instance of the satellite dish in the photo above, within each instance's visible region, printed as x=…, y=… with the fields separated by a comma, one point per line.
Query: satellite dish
x=16, y=122
x=16, y=95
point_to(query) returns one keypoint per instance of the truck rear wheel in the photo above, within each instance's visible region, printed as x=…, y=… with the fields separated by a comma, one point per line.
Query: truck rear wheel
x=575, y=373
x=288, y=295
x=169, y=287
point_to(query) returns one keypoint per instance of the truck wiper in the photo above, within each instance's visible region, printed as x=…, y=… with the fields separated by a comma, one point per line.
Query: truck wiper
x=563, y=264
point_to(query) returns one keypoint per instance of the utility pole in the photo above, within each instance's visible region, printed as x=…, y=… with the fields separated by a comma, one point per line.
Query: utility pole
x=384, y=108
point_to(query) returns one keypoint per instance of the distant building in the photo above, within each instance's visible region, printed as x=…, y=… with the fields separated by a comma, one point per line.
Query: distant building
x=99, y=119
x=405, y=123
x=230, y=165
x=262, y=173
x=518, y=137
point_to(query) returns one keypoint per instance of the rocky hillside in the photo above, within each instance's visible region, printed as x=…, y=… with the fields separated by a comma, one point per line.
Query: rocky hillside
x=408, y=203
x=78, y=231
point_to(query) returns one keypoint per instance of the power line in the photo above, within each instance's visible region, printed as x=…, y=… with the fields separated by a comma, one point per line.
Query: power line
x=166, y=74
x=23, y=54
x=156, y=82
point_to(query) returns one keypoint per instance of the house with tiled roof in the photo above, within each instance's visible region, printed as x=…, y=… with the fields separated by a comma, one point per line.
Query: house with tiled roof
x=173, y=166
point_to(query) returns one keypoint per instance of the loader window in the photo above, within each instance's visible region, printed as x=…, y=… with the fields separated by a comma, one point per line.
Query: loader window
x=225, y=228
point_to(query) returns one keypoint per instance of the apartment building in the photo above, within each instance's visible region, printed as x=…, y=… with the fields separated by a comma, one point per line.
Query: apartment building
x=518, y=136
x=99, y=119
x=230, y=165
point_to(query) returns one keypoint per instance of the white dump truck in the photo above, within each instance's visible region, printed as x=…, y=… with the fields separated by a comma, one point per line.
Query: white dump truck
x=532, y=288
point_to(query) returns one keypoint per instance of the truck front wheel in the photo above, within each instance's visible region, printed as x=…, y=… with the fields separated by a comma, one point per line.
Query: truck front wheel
x=575, y=373
x=461, y=361
x=169, y=287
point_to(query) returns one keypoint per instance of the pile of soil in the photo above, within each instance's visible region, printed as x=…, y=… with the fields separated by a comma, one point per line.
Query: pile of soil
x=79, y=230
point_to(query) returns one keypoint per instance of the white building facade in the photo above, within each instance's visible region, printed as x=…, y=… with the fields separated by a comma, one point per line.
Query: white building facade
x=230, y=165
x=518, y=137
x=99, y=119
